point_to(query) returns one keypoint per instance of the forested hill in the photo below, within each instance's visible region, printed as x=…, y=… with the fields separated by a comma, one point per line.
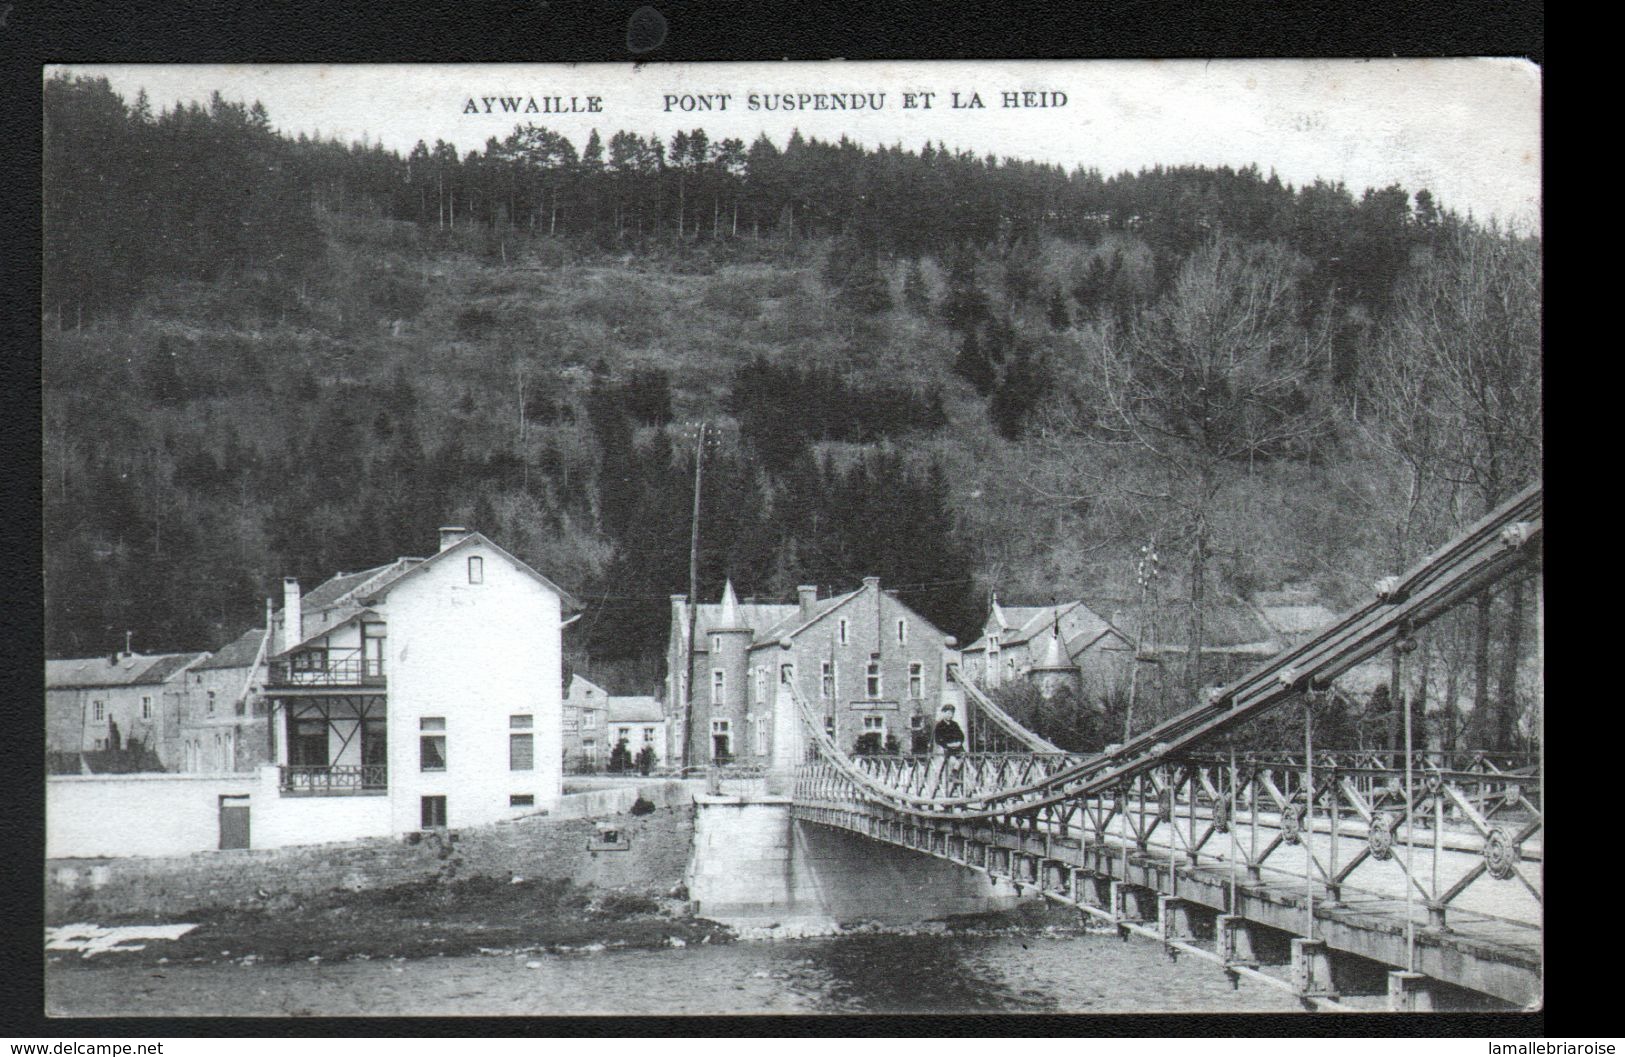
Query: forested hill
x=268, y=356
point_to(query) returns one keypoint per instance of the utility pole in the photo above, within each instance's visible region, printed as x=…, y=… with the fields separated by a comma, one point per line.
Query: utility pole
x=687, y=676
x=1146, y=570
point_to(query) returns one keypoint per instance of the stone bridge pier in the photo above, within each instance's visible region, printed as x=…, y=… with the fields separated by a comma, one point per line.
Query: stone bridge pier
x=755, y=866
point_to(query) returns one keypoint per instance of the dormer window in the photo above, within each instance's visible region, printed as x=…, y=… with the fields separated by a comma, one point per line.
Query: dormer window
x=476, y=569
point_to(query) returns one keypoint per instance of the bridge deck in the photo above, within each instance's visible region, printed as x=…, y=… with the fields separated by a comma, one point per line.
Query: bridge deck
x=1480, y=950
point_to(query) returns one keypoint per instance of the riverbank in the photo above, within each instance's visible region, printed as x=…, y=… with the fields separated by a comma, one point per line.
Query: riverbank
x=418, y=919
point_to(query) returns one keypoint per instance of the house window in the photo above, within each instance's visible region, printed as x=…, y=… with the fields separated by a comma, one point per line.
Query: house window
x=787, y=673
x=716, y=643
x=719, y=685
x=916, y=680
x=648, y=735
x=522, y=800
x=434, y=812
x=589, y=750
x=521, y=747
x=721, y=739
x=589, y=718
x=872, y=680
x=829, y=725
x=843, y=631
x=761, y=737
x=916, y=722
x=372, y=648
x=826, y=680
x=146, y=707
x=432, y=747
x=761, y=685
x=308, y=745
x=902, y=632
x=98, y=711
x=209, y=705
x=476, y=570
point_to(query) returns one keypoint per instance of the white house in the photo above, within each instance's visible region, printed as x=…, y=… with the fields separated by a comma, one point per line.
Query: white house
x=641, y=723
x=420, y=694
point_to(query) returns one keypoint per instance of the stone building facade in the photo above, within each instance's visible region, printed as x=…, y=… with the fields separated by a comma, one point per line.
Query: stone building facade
x=868, y=665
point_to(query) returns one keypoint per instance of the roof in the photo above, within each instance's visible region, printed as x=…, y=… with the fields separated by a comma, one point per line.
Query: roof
x=241, y=652
x=756, y=616
x=1080, y=625
x=377, y=591
x=1227, y=624
x=580, y=688
x=1055, y=656
x=636, y=709
x=1022, y=618
x=794, y=623
x=131, y=669
x=168, y=664
x=335, y=590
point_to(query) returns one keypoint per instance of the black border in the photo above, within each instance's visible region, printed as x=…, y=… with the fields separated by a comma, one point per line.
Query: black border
x=35, y=32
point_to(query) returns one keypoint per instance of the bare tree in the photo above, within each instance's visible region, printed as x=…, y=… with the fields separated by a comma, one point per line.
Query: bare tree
x=1455, y=386
x=1221, y=373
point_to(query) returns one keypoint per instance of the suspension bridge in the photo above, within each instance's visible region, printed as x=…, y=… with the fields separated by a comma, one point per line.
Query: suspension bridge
x=1413, y=874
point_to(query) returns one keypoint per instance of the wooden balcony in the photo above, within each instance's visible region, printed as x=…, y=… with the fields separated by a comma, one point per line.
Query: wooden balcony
x=370, y=779
x=334, y=670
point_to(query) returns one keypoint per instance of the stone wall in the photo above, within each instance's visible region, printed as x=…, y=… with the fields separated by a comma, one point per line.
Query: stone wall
x=139, y=814
x=652, y=854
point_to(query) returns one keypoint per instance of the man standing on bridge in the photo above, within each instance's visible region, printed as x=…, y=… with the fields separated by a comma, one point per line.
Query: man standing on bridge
x=950, y=740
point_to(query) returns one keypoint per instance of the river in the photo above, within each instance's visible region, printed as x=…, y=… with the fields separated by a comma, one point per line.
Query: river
x=1039, y=972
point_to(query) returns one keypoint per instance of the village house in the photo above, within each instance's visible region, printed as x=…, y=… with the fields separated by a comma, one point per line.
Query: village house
x=1067, y=644
x=640, y=722
x=1072, y=644
x=870, y=666
x=431, y=684
x=586, y=726
x=223, y=724
x=119, y=712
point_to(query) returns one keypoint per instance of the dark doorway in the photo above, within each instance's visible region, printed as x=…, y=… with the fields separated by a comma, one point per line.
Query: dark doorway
x=233, y=822
x=374, y=753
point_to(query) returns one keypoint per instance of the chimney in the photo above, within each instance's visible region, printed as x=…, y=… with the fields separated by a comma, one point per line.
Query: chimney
x=450, y=534
x=807, y=594
x=293, y=618
x=872, y=582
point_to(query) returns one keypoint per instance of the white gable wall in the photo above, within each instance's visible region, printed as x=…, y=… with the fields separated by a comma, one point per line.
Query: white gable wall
x=474, y=654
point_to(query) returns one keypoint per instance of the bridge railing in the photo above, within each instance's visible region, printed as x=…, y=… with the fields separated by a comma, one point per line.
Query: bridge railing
x=936, y=777
x=1359, y=827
